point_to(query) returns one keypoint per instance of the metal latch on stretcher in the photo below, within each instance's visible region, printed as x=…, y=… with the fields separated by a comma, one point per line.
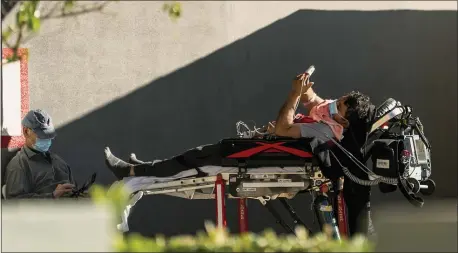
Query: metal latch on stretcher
x=263, y=200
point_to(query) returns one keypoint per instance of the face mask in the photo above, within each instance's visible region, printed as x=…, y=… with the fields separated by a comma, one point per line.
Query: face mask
x=333, y=108
x=42, y=145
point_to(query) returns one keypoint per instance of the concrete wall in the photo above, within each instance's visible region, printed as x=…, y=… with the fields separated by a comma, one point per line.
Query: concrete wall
x=56, y=226
x=136, y=81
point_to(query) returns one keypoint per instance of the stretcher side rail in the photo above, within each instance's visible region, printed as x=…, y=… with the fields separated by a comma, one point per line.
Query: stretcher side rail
x=203, y=188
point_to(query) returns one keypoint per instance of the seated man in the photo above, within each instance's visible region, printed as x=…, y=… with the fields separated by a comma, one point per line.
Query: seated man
x=35, y=172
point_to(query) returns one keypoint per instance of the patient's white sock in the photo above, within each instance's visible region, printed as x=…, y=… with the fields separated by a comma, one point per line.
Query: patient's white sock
x=119, y=167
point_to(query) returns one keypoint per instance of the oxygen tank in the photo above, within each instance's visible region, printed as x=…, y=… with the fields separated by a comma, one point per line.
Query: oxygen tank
x=325, y=214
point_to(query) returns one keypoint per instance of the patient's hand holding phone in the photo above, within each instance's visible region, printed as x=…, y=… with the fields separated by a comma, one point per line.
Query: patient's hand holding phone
x=301, y=83
x=307, y=92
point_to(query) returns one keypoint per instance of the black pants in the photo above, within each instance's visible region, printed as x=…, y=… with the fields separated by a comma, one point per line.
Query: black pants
x=357, y=197
x=191, y=159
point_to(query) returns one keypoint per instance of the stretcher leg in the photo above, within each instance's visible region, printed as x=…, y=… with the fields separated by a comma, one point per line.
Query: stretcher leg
x=243, y=215
x=220, y=197
x=296, y=219
x=342, y=219
x=277, y=216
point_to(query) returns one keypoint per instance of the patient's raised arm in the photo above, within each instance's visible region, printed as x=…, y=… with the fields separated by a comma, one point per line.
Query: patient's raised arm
x=309, y=99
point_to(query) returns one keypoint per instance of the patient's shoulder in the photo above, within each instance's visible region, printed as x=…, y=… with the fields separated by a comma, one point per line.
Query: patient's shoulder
x=316, y=126
x=316, y=130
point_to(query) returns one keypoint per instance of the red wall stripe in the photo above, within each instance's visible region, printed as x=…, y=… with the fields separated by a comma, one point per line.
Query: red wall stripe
x=18, y=141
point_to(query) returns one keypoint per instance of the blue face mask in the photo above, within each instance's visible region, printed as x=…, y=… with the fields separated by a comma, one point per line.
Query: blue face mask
x=333, y=108
x=42, y=145
x=333, y=111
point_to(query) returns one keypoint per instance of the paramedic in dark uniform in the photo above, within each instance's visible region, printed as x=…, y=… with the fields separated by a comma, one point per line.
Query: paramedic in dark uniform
x=35, y=172
x=347, y=117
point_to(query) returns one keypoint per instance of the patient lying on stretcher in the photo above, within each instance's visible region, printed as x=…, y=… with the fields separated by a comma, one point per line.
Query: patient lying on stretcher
x=327, y=118
x=346, y=116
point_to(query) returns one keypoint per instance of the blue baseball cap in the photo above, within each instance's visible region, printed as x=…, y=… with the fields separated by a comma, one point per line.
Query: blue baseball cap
x=41, y=124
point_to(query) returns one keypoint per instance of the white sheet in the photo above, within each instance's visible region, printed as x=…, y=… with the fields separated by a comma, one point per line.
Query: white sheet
x=135, y=184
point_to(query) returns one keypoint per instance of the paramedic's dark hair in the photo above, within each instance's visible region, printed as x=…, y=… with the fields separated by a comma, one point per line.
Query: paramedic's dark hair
x=358, y=105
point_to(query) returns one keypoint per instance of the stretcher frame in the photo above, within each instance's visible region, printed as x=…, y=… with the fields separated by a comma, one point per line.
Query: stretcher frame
x=214, y=187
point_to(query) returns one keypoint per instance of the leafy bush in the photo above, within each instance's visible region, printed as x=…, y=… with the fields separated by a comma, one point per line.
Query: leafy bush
x=219, y=240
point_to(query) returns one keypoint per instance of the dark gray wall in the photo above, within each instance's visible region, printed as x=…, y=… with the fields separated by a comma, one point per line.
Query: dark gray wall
x=408, y=55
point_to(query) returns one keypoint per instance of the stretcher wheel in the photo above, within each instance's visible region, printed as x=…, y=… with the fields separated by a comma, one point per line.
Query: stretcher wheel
x=431, y=187
x=414, y=185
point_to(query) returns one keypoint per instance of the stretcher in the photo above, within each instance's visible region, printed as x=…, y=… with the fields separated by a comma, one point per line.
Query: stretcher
x=268, y=168
x=248, y=172
x=259, y=185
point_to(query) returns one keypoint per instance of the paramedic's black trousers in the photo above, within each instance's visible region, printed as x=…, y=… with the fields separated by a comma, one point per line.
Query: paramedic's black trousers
x=356, y=196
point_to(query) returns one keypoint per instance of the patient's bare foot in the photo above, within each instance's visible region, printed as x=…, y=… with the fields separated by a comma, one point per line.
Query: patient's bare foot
x=119, y=167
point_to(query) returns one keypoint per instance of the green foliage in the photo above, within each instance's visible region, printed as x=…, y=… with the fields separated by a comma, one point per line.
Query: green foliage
x=115, y=197
x=173, y=10
x=7, y=33
x=220, y=240
x=68, y=5
x=28, y=21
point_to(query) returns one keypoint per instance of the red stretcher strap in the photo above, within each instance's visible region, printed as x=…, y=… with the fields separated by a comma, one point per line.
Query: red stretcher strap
x=342, y=215
x=342, y=219
x=243, y=216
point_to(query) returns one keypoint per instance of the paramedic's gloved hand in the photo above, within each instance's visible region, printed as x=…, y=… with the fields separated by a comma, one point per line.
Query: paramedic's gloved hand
x=301, y=84
x=62, y=189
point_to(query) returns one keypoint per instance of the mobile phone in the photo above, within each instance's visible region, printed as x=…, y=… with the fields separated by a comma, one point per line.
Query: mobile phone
x=310, y=70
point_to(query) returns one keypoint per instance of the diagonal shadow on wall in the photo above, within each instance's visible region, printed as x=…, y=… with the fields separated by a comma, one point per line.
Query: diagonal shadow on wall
x=409, y=55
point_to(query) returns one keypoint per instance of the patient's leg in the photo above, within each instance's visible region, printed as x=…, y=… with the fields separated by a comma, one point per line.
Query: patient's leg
x=134, y=160
x=191, y=159
x=119, y=167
